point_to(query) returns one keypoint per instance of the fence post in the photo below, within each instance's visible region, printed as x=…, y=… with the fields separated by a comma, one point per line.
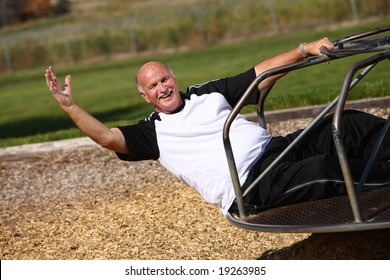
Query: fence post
x=133, y=37
x=275, y=25
x=7, y=56
x=355, y=15
x=199, y=25
x=68, y=49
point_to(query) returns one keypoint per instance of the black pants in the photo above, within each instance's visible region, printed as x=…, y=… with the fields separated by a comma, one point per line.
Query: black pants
x=312, y=170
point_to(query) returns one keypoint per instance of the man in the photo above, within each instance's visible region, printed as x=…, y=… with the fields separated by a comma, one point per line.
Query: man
x=185, y=134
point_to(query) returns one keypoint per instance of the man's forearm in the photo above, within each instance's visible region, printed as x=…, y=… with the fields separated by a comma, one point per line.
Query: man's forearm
x=285, y=58
x=292, y=56
x=89, y=125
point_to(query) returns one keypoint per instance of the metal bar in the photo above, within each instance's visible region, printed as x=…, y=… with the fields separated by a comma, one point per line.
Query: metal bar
x=345, y=227
x=337, y=134
x=339, y=43
x=362, y=75
x=366, y=46
x=292, y=144
x=373, y=155
x=261, y=117
x=366, y=42
x=235, y=179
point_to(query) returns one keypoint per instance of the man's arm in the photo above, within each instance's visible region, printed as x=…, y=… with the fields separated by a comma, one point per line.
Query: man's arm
x=292, y=56
x=112, y=139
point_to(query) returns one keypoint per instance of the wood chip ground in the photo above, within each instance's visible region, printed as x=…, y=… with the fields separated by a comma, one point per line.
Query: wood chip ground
x=86, y=204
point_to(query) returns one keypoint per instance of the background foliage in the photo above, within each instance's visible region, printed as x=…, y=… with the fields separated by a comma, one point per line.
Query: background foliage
x=117, y=29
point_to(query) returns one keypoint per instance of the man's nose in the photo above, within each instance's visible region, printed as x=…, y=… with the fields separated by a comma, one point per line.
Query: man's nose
x=161, y=87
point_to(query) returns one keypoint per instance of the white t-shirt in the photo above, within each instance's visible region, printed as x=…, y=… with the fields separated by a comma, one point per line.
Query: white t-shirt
x=189, y=143
x=191, y=147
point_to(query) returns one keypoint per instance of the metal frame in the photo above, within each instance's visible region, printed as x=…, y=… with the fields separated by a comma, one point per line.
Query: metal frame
x=344, y=47
x=337, y=133
x=347, y=227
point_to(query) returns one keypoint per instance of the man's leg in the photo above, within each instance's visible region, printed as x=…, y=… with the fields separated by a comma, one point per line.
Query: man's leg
x=359, y=133
x=312, y=170
x=313, y=178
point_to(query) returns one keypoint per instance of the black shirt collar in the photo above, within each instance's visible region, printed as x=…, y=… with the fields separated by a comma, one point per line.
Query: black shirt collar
x=184, y=96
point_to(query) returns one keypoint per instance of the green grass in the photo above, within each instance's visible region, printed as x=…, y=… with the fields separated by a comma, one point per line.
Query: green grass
x=29, y=114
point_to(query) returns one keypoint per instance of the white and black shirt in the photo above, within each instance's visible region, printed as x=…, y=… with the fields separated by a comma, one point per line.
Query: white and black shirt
x=189, y=142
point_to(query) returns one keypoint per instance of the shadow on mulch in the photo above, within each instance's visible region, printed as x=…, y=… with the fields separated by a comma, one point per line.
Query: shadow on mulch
x=365, y=245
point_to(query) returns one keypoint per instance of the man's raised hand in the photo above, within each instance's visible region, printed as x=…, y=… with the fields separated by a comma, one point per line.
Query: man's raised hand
x=62, y=93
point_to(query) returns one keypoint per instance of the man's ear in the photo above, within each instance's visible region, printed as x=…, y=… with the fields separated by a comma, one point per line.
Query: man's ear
x=144, y=96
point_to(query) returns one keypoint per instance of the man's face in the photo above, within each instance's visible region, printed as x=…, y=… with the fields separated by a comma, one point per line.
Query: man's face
x=160, y=87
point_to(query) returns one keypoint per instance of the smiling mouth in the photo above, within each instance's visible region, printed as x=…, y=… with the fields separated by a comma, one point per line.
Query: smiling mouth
x=167, y=95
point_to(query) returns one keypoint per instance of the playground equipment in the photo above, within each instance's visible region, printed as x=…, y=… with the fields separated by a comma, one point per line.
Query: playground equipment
x=357, y=210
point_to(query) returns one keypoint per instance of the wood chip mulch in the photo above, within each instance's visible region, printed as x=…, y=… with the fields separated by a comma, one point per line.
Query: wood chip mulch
x=86, y=204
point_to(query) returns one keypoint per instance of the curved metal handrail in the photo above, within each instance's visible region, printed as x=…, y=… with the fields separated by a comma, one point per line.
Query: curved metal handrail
x=341, y=42
x=335, y=54
x=363, y=46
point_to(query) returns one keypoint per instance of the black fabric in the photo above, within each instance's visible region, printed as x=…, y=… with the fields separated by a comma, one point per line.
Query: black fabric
x=311, y=170
x=141, y=140
x=231, y=88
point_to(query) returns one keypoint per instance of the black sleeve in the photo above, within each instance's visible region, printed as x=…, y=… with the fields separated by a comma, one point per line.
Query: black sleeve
x=141, y=141
x=231, y=87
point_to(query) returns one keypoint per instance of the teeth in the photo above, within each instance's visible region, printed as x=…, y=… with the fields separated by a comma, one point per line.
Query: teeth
x=166, y=95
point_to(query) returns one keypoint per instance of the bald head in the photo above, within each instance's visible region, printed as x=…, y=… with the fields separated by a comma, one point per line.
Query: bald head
x=158, y=86
x=146, y=70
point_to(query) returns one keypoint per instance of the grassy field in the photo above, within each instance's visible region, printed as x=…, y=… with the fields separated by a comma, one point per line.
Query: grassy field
x=29, y=114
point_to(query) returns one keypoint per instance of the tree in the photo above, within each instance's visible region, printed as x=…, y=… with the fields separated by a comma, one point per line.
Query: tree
x=62, y=7
x=30, y=9
x=12, y=11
